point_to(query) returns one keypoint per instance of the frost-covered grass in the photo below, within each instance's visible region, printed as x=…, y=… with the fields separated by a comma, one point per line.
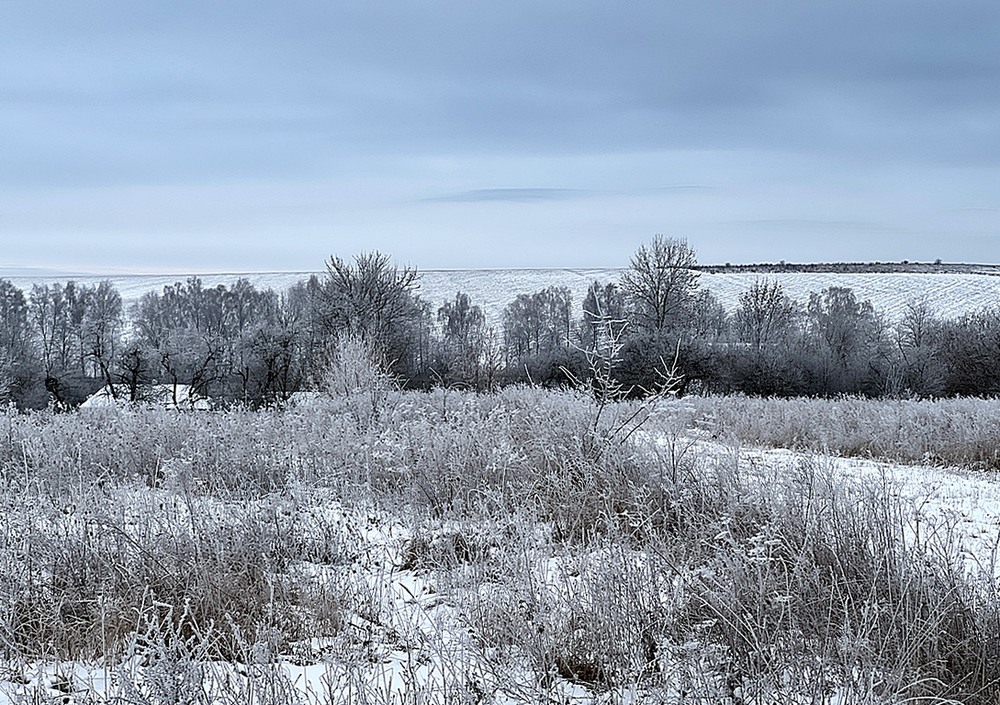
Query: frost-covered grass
x=952, y=432
x=448, y=547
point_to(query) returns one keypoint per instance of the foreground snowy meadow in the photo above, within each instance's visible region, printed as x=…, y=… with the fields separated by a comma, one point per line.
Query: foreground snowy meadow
x=376, y=546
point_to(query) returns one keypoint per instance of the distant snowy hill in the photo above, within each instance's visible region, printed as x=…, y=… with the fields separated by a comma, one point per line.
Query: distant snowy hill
x=491, y=289
x=950, y=293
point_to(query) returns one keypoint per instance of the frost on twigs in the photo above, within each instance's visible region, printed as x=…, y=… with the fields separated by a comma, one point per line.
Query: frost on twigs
x=602, y=360
x=357, y=377
x=6, y=375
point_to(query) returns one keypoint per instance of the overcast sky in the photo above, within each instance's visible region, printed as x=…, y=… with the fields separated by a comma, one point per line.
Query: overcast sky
x=233, y=135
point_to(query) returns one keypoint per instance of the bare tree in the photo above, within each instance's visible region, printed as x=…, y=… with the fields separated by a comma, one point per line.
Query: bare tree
x=660, y=284
x=766, y=315
x=373, y=301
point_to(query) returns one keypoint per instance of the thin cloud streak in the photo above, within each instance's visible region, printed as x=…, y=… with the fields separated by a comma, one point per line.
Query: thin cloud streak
x=800, y=224
x=529, y=195
x=512, y=195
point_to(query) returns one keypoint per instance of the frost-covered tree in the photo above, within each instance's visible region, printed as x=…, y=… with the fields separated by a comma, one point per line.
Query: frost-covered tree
x=463, y=341
x=841, y=322
x=280, y=368
x=918, y=338
x=849, y=351
x=538, y=336
x=302, y=304
x=969, y=351
x=373, y=301
x=766, y=316
x=660, y=285
x=237, y=343
x=672, y=322
x=189, y=357
x=14, y=333
x=605, y=315
x=766, y=340
x=136, y=368
x=76, y=331
x=48, y=314
x=102, y=330
x=6, y=376
x=21, y=363
x=539, y=323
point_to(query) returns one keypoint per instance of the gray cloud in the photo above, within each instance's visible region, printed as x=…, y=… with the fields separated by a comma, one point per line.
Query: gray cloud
x=887, y=78
x=583, y=99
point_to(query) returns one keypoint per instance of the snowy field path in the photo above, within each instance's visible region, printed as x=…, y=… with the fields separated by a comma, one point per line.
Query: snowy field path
x=958, y=507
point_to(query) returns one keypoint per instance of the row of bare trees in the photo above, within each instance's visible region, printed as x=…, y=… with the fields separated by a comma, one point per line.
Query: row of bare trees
x=657, y=316
x=60, y=342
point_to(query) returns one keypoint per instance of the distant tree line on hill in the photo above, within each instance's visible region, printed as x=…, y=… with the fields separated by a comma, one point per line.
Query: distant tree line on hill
x=903, y=267
x=59, y=343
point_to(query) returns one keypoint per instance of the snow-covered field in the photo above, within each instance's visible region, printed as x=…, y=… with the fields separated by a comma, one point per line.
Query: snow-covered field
x=949, y=295
x=491, y=289
x=479, y=549
x=963, y=504
x=406, y=635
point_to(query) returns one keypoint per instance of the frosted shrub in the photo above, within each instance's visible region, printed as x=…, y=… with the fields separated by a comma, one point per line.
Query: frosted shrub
x=357, y=378
x=234, y=452
x=589, y=616
x=524, y=447
x=777, y=585
x=806, y=564
x=102, y=570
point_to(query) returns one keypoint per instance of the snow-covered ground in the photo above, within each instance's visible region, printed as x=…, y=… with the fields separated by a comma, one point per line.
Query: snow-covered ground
x=405, y=637
x=949, y=295
x=963, y=503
